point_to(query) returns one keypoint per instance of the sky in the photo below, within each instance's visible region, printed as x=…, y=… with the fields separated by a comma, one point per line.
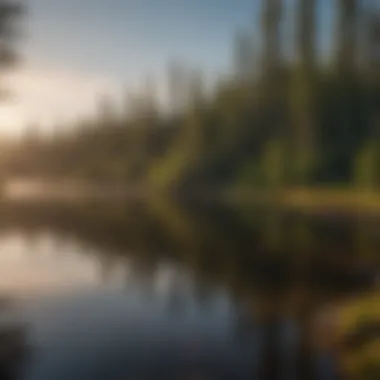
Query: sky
x=75, y=51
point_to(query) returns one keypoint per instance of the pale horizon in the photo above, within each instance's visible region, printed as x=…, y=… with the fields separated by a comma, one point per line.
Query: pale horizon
x=73, y=53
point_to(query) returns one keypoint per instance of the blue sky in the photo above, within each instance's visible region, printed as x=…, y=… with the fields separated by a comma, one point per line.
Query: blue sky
x=75, y=50
x=135, y=35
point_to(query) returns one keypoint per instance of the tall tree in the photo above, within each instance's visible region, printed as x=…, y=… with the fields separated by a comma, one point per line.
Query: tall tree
x=271, y=19
x=178, y=86
x=10, y=12
x=106, y=111
x=307, y=33
x=195, y=126
x=345, y=131
x=271, y=99
x=243, y=55
x=347, y=35
x=272, y=13
x=304, y=136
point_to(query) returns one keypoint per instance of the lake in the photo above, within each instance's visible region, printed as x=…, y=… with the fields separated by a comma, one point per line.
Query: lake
x=119, y=290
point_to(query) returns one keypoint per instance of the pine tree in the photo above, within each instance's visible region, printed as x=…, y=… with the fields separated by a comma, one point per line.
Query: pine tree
x=271, y=100
x=304, y=136
x=271, y=18
x=243, y=56
x=347, y=39
x=347, y=35
x=10, y=13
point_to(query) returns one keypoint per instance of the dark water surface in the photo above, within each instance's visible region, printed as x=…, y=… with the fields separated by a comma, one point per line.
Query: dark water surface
x=131, y=291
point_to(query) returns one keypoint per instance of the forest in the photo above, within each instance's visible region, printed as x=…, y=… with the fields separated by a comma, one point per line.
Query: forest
x=309, y=118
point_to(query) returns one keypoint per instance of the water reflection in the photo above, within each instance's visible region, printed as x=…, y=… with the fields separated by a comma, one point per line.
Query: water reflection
x=43, y=264
x=128, y=291
x=14, y=346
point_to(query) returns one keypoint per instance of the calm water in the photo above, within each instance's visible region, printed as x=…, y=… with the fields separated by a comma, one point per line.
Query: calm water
x=131, y=291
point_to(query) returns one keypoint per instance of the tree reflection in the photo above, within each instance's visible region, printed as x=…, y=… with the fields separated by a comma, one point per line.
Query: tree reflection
x=215, y=243
x=283, y=268
x=14, y=351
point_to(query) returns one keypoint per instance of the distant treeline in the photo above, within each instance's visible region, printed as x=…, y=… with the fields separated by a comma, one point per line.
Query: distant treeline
x=311, y=118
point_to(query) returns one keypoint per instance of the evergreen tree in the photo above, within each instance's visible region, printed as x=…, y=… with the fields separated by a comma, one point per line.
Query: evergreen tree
x=10, y=13
x=303, y=97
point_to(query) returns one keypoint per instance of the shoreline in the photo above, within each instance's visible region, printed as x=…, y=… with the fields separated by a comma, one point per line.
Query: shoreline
x=310, y=200
x=313, y=200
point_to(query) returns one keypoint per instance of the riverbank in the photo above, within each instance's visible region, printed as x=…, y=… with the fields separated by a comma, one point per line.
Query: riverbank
x=306, y=200
x=313, y=200
x=35, y=190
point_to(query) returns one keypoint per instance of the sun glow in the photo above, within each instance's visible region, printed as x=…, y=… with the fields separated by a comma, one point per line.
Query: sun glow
x=51, y=96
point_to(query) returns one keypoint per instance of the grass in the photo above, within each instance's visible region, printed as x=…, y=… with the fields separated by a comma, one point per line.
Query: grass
x=313, y=200
x=355, y=315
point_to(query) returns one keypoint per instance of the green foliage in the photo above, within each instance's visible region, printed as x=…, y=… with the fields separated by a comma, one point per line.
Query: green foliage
x=251, y=174
x=274, y=163
x=169, y=171
x=367, y=163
